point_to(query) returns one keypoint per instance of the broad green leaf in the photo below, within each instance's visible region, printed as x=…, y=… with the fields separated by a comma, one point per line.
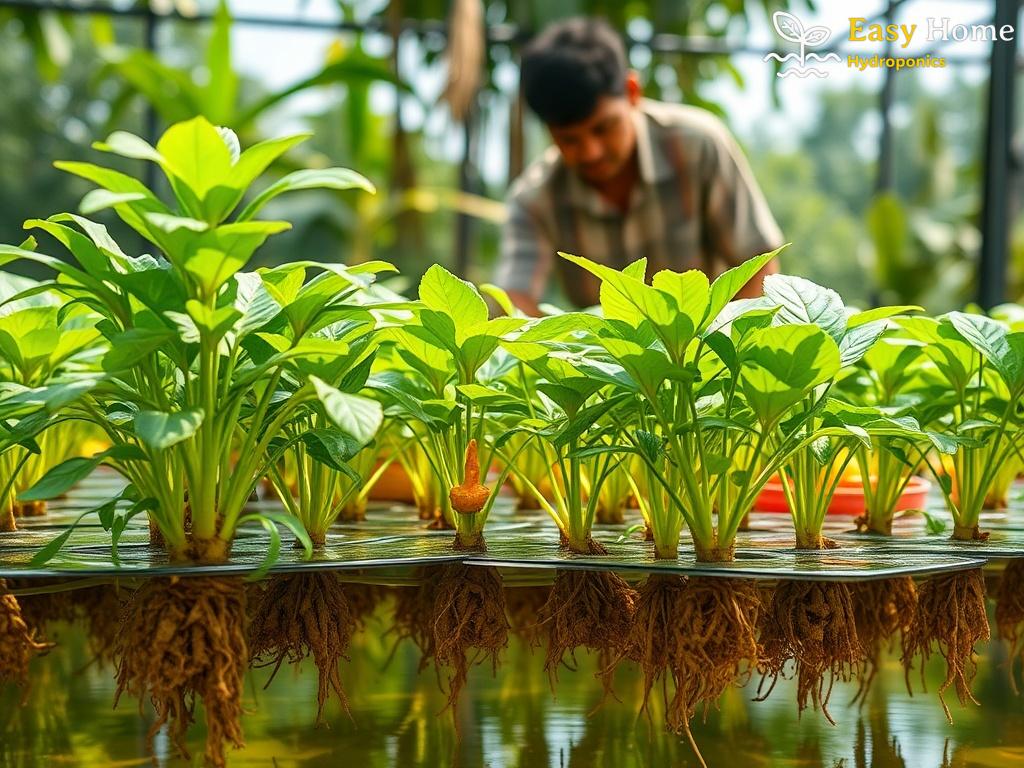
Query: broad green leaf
x=586, y=418
x=101, y=199
x=690, y=290
x=487, y=396
x=61, y=478
x=360, y=417
x=443, y=292
x=953, y=356
x=782, y=364
x=127, y=349
x=317, y=178
x=216, y=255
x=880, y=313
x=254, y=302
x=129, y=145
x=804, y=302
x=992, y=340
x=194, y=154
x=160, y=430
x=500, y=297
x=856, y=341
x=729, y=283
x=626, y=298
x=332, y=447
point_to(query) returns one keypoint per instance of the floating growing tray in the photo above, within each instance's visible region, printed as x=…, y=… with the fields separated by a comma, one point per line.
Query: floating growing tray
x=392, y=539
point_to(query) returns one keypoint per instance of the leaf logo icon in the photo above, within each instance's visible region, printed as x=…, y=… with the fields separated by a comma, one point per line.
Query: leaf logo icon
x=789, y=27
x=815, y=36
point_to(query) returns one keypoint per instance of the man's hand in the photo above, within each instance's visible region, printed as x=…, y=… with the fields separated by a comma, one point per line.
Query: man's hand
x=525, y=303
x=755, y=286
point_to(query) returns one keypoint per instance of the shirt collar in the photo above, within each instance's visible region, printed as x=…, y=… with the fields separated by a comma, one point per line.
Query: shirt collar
x=654, y=166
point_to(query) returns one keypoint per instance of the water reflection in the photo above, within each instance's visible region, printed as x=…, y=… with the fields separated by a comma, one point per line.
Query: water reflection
x=510, y=720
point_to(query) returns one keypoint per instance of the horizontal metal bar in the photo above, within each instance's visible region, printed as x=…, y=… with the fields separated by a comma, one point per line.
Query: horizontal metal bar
x=498, y=34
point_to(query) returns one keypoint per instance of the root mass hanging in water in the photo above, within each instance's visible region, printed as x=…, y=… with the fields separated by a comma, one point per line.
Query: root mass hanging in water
x=589, y=609
x=881, y=608
x=950, y=615
x=301, y=615
x=812, y=624
x=18, y=643
x=182, y=638
x=469, y=618
x=700, y=633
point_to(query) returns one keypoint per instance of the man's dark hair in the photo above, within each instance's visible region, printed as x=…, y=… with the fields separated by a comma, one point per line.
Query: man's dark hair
x=569, y=67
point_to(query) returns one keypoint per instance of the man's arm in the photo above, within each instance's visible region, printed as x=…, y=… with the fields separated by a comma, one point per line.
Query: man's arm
x=755, y=286
x=525, y=262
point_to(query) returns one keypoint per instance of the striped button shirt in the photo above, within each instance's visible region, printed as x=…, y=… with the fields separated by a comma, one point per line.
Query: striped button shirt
x=696, y=206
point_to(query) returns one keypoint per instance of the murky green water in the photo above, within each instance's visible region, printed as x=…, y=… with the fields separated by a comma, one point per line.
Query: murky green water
x=510, y=720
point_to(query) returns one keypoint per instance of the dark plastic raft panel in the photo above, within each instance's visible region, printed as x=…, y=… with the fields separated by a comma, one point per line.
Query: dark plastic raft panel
x=246, y=556
x=528, y=549
x=1002, y=543
x=848, y=564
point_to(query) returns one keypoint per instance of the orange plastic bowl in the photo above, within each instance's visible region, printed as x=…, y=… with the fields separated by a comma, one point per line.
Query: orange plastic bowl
x=847, y=500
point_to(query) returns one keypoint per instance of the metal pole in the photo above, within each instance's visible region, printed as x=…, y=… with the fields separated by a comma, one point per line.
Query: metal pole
x=995, y=210
x=886, y=161
x=151, y=126
x=467, y=178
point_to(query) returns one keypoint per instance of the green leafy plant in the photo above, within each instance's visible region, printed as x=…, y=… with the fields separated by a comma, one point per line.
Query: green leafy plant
x=204, y=369
x=446, y=343
x=830, y=432
x=976, y=380
x=40, y=345
x=701, y=394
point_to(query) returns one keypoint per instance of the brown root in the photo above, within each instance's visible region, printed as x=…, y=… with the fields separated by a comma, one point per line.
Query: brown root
x=589, y=546
x=7, y=522
x=182, y=638
x=156, y=536
x=301, y=615
x=469, y=613
x=523, y=606
x=881, y=608
x=700, y=632
x=951, y=614
x=18, y=642
x=1010, y=612
x=968, y=533
x=592, y=609
x=813, y=624
x=438, y=522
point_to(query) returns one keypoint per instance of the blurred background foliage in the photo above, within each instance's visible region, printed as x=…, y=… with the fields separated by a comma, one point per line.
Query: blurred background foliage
x=379, y=106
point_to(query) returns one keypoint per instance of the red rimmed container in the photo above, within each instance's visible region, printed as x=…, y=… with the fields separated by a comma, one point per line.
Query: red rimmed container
x=847, y=500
